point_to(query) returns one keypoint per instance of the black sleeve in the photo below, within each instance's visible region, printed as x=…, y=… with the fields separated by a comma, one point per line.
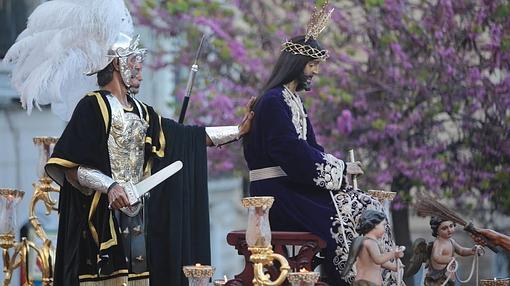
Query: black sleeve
x=178, y=225
x=83, y=141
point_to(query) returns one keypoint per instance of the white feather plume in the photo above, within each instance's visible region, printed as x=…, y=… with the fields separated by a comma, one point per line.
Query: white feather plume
x=63, y=40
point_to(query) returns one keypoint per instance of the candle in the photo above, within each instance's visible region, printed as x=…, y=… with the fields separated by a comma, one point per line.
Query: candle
x=219, y=282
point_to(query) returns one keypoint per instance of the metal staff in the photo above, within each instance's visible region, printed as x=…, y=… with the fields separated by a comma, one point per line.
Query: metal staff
x=191, y=80
x=354, y=177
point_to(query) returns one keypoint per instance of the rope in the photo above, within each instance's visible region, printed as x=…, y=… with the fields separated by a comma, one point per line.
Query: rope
x=478, y=250
x=400, y=272
x=453, y=266
x=452, y=269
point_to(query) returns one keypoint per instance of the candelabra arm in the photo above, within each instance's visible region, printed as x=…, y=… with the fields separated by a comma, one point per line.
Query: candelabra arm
x=14, y=261
x=262, y=279
x=42, y=191
x=6, y=260
x=44, y=258
x=259, y=277
x=284, y=270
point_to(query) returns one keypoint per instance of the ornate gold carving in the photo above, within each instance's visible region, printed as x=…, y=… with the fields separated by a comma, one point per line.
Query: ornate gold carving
x=198, y=271
x=21, y=249
x=5, y=192
x=262, y=256
x=257, y=202
x=45, y=140
x=7, y=240
x=382, y=195
x=307, y=277
x=42, y=190
x=495, y=282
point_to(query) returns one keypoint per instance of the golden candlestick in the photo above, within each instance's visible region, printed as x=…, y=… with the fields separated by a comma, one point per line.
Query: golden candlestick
x=42, y=190
x=43, y=187
x=44, y=252
x=258, y=238
x=9, y=199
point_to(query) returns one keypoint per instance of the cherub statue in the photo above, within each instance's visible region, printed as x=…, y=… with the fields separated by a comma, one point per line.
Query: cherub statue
x=438, y=255
x=365, y=251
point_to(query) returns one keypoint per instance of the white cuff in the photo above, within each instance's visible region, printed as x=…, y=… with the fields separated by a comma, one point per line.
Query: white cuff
x=330, y=173
x=222, y=134
x=94, y=179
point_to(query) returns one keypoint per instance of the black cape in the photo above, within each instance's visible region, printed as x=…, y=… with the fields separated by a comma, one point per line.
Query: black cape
x=89, y=247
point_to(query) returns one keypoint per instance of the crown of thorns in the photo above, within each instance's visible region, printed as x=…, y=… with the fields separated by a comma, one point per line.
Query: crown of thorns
x=305, y=50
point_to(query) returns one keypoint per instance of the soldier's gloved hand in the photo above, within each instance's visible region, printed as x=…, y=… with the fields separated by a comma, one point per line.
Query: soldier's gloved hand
x=117, y=197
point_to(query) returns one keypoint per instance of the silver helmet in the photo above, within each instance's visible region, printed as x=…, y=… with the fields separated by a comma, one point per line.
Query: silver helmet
x=125, y=48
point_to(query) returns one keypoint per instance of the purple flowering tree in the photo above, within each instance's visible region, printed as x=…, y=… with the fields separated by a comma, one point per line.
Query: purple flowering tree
x=420, y=89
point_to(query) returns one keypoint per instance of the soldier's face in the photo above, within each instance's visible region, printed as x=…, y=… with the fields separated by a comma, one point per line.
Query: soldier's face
x=135, y=63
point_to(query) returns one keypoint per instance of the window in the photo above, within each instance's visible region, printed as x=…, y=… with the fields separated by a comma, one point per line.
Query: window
x=13, y=20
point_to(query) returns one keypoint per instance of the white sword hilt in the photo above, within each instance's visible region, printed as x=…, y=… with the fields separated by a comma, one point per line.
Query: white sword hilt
x=132, y=194
x=354, y=179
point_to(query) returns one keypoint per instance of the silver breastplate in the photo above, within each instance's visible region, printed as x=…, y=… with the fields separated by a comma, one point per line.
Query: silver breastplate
x=126, y=147
x=126, y=143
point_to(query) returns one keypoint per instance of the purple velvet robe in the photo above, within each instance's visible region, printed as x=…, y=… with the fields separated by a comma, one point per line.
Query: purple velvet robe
x=314, y=191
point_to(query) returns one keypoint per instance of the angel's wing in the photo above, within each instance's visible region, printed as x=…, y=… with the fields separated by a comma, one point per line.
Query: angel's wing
x=354, y=250
x=420, y=255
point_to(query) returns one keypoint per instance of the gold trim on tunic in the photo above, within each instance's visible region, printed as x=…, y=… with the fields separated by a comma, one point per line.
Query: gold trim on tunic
x=104, y=109
x=113, y=241
x=131, y=279
x=62, y=162
x=92, y=210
